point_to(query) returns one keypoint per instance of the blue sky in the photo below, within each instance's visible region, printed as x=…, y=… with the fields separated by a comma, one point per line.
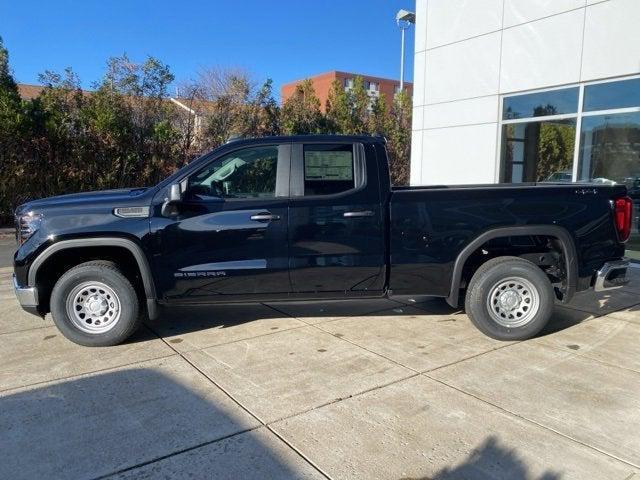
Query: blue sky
x=282, y=39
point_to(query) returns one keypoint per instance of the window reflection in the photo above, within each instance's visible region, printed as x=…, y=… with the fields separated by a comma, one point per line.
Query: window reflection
x=610, y=153
x=539, y=151
x=609, y=150
x=555, y=102
x=607, y=96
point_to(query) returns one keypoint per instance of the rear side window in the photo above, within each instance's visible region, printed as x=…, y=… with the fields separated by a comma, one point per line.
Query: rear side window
x=328, y=169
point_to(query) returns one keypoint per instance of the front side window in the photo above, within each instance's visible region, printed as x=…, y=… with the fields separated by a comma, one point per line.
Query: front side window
x=328, y=169
x=247, y=173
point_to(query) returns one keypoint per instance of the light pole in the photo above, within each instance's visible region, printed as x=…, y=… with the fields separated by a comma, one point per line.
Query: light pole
x=404, y=19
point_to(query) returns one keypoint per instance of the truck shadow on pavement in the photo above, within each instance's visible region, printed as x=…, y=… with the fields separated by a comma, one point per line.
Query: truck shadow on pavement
x=183, y=320
x=492, y=460
x=164, y=420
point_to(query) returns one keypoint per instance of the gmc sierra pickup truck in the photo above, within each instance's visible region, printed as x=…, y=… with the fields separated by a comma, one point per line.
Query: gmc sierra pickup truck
x=308, y=218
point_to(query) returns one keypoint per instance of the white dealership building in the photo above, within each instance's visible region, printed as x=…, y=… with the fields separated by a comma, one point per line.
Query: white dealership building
x=527, y=90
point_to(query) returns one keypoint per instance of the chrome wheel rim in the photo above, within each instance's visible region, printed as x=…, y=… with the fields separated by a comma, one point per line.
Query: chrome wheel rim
x=513, y=302
x=93, y=307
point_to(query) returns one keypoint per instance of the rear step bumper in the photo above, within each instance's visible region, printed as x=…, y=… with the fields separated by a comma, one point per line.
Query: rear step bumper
x=612, y=275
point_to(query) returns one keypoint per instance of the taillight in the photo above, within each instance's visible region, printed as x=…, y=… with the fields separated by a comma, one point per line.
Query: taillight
x=622, y=208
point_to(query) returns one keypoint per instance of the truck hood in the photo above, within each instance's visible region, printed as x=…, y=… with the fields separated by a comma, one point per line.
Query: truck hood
x=114, y=197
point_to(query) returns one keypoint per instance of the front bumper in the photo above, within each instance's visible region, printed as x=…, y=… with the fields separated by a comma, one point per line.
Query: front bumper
x=611, y=275
x=27, y=297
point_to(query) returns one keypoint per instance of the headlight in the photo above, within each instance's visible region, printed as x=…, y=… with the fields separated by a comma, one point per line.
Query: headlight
x=27, y=225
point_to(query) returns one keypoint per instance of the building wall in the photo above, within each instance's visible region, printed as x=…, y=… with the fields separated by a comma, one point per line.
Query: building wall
x=469, y=54
x=322, y=86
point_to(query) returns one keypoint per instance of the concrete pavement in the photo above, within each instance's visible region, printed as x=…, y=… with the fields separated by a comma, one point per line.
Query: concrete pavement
x=7, y=249
x=381, y=389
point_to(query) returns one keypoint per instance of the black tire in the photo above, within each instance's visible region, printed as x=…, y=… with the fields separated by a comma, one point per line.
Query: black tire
x=485, y=291
x=106, y=273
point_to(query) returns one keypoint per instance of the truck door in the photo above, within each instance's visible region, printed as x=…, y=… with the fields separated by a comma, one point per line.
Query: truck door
x=228, y=238
x=336, y=226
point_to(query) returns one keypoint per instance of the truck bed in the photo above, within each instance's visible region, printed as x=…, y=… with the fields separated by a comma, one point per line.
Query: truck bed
x=431, y=225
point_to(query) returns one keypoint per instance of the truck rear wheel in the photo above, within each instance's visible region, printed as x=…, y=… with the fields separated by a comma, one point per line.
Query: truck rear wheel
x=509, y=298
x=95, y=305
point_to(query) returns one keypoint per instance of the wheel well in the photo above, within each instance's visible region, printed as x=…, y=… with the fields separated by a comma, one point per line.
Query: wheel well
x=60, y=262
x=546, y=251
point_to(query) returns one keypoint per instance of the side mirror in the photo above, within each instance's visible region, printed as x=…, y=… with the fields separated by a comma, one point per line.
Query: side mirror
x=175, y=193
x=169, y=207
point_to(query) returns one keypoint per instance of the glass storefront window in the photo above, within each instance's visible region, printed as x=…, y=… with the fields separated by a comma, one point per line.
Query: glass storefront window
x=611, y=95
x=610, y=153
x=554, y=102
x=538, y=151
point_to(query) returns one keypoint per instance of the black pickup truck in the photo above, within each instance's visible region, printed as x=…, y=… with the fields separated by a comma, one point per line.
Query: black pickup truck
x=308, y=218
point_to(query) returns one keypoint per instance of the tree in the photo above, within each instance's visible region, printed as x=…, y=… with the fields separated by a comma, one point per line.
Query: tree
x=110, y=137
x=399, y=138
x=144, y=88
x=187, y=118
x=127, y=132
x=338, y=110
x=230, y=104
x=378, y=120
x=360, y=106
x=226, y=93
x=218, y=82
x=56, y=120
x=10, y=105
x=12, y=126
x=262, y=113
x=301, y=112
x=7, y=83
x=555, y=149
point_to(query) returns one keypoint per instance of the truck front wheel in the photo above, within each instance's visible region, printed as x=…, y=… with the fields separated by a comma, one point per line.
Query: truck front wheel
x=509, y=298
x=95, y=305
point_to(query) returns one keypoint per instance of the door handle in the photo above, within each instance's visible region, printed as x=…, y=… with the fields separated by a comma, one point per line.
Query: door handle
x=363, y=213
x=264, y=217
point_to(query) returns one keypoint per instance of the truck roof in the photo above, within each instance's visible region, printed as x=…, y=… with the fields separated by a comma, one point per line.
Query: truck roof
x=308, y=138
x=233, y=143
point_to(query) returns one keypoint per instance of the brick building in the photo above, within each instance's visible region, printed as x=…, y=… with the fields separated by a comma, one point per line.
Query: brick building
x=322, y=86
